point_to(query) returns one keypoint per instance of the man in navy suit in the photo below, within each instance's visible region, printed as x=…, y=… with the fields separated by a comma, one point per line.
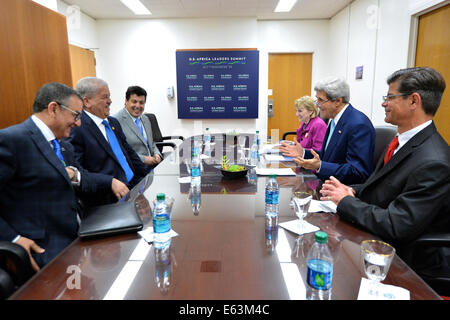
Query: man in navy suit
x=408, y=193
x=100, y=145
x=348, y=146
x=39, y=175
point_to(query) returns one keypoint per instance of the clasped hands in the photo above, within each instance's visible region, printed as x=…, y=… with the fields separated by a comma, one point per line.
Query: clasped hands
x=296, y=151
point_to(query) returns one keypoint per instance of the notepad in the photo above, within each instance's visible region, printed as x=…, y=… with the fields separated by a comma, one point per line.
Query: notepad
x=276, y=157
x=277, y=171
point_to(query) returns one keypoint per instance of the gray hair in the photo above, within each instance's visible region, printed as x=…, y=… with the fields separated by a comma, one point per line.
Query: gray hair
x=52, y=91
x=89, y=86
x=334, y=88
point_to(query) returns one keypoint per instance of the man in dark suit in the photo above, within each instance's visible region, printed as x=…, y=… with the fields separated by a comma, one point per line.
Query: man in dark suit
x=138, y=129
x=349, y=143
x=408, y=193
x=100, y=145
x=39, y=175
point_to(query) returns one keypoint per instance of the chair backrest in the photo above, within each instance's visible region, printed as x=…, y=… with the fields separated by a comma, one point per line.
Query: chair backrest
x=384, y=135
x=156, y=132
x=15, y=262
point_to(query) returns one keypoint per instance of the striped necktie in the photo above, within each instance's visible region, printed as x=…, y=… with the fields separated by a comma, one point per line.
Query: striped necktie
x=115, y=146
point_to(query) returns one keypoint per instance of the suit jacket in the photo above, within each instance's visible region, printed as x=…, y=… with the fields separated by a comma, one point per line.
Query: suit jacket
x=407, y=197
x=37, y=199
x=349, y=154
x=95, y=154
x=134, y=137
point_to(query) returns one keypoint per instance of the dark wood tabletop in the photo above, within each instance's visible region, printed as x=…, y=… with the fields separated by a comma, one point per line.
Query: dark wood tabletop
x=223, y=252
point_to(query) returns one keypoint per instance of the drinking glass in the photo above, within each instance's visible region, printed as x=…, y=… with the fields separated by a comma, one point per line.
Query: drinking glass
x=241, y=141
x=376, y=259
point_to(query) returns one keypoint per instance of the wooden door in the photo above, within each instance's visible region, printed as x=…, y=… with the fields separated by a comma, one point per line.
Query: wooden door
x=82, y=62
x=289, y=79
x=433, y=50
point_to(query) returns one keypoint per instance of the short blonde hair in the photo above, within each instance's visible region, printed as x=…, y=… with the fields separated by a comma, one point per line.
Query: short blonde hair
x=308, y=103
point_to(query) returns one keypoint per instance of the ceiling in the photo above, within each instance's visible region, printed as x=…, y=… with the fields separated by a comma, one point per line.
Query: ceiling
x=261, y=9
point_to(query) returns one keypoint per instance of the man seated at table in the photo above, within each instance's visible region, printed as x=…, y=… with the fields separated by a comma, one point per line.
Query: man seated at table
x=138, y=129
x=349, y=143
x=100, y=145
x=407, y=195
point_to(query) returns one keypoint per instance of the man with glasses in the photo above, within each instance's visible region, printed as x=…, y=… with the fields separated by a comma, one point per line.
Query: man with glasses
x=101, y=147
x=348, y=146
x=408, y=193
x=39, y=176
x=138, y=129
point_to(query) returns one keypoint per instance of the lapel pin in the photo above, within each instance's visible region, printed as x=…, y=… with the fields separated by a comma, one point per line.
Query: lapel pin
x=62, y=149
x=339, y=131
x=113, y=128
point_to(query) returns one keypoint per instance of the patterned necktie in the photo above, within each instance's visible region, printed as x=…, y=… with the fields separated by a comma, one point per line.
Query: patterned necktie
x=138, y=124
x=57, y=149
x=115, y=146
x=332, y=125
x=390, y=150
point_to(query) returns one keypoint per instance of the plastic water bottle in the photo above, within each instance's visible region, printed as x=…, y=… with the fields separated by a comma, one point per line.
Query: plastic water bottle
x=161, y=222
x=207, y=136
x=258, y=141
x=320, y=269
x=272, y=196
x=195, y=171
x=254, y=152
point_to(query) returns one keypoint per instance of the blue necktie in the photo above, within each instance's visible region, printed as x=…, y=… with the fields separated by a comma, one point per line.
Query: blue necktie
x=138, y=124
x=332, y=125
x=118, y=151
x=57, y=149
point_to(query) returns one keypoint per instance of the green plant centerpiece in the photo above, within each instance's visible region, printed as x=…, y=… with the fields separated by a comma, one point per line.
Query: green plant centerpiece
x=232, y=171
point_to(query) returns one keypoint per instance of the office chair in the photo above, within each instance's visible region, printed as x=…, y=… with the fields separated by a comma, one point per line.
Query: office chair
x=15, y=268
x=158, y=138
x=383, y=136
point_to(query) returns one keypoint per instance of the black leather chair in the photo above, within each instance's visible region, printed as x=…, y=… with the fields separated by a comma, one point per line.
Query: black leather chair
x=158, y=138
x=384, y=135
x=15, y=268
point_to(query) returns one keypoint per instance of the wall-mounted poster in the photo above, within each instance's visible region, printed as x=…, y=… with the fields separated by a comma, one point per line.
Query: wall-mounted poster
x=217, y=84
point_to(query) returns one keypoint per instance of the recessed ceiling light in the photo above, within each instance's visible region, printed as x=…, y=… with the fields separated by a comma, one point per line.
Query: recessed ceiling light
x=136, y=6
x=285, y=5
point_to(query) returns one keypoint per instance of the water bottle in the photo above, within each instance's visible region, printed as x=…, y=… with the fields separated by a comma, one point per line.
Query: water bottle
x=254, y=152
x=272, y=196
x=196, y=200
x=195, y=171
x=320, y=269
x=207, y=136
x=161, y=221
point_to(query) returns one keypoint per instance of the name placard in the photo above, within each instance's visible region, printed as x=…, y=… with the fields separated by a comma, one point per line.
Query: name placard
x=217, y=84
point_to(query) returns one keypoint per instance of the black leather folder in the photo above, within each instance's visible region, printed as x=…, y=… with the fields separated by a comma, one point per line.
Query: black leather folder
x=110, y=219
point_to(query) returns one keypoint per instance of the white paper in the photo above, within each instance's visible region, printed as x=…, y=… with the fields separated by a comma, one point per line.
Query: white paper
x=184, y=179
x=322, y=206
x=147, y=234
x=296, y=227
x=384, y=292
x=204, y=156
x=269, y=148
x=276, y=157
x=277, y=171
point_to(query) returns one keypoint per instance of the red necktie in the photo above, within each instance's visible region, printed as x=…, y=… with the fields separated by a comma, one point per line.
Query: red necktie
x=390, y=150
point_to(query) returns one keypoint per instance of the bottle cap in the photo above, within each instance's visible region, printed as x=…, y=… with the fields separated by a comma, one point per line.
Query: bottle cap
x=207, y=128
x=160, y=196
x=321, y=237
x=257, y=131
x=272, y=175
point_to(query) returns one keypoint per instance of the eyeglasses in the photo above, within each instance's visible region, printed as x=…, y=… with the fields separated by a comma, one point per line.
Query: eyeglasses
x=389, y=97
x=76, y=113
x=320, y=101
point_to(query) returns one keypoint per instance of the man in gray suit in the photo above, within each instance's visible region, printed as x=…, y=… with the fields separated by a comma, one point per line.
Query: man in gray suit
x=137, y=129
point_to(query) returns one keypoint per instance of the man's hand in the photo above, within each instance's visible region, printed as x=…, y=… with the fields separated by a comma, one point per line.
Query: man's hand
x=70, y=172
x=334, y=190
x=291, y=150
x=152, y=161
x=313, y=164
x=119, y=188
x=29, y=245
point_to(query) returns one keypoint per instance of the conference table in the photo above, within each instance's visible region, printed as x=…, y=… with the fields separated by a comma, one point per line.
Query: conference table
x=224, y=248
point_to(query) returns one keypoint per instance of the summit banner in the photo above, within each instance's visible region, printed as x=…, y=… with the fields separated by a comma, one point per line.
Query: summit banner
x=217, y=84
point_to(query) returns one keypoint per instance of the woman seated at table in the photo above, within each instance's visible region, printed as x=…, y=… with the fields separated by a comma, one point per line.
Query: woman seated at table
x=312, y=128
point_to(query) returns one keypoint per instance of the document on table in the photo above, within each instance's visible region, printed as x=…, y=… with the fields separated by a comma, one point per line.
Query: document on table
x=276, y=157
x=270, y=148
x=147, y=234
x=277, y=171
x=322, y=206
x=299, y=227
x=382, y=292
